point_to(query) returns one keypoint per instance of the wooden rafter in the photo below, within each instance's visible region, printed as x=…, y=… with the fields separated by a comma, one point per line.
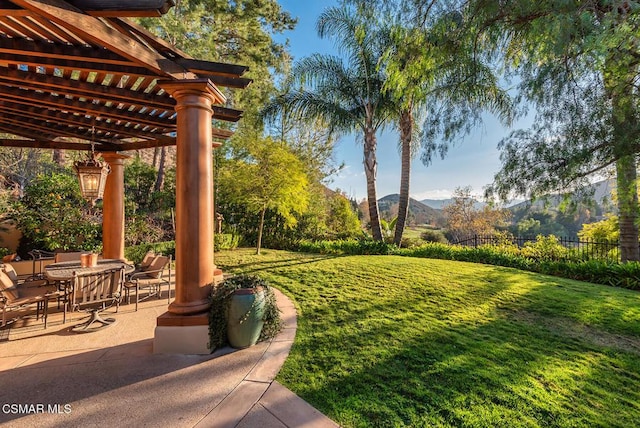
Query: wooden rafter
x=20, y=96
x=96, y=31
x=50, y=144
x=72, y=71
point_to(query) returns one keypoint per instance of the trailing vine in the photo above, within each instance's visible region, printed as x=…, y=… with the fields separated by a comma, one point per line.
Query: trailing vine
x=221, y=299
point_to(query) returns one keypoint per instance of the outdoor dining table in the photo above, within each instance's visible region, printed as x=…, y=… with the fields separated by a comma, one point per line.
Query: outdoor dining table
x=63, y=271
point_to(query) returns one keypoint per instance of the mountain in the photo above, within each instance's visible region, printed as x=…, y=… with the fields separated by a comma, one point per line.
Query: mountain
x=601, y=199
x=419, y=213
x=547, y=216
x=438, y=204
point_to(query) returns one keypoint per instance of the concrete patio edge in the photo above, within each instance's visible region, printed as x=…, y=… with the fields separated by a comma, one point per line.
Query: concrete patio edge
x=260, y=401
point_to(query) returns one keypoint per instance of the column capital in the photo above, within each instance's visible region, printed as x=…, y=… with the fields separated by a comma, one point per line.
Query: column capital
x=114, y=157
x=180, y=88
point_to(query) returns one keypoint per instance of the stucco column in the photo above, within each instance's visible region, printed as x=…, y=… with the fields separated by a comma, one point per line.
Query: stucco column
x=113, y=208
x=194, y=194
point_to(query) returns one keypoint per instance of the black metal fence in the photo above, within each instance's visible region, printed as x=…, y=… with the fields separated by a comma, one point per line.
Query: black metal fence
x=578, y=249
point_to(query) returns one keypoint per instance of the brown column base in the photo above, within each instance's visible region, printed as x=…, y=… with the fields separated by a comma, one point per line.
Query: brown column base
x=182, y=334
x=191, y=307
x=172, y=320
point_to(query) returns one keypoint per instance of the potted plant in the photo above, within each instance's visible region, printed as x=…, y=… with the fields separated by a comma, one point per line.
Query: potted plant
x=89, y=256
x=243, y=312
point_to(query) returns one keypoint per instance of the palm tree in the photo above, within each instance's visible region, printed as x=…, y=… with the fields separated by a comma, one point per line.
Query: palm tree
x=346, y=94
x=434, y=67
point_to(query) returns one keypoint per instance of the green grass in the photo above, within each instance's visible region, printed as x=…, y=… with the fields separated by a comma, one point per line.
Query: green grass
x=390, y=341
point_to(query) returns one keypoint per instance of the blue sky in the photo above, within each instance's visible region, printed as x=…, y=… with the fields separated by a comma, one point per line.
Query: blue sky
x=473, y=161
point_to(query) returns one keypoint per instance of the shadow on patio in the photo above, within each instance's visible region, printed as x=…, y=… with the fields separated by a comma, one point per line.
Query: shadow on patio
x=111, y=377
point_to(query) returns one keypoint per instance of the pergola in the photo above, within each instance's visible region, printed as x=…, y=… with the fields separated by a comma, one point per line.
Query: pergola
x=75, y=75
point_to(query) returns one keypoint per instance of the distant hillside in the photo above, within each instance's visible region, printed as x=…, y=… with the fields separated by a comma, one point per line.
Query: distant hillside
x=601, y=199
x=438, y=204
x=419, y=213
x=545, y=216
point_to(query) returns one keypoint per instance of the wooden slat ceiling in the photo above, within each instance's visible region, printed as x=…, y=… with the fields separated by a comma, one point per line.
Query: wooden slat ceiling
x=77, y=72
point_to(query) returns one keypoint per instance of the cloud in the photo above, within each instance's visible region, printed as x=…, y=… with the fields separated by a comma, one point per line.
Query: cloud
x=433, y=194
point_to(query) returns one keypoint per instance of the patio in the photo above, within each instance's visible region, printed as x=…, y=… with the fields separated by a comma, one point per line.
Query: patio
x=111, y=377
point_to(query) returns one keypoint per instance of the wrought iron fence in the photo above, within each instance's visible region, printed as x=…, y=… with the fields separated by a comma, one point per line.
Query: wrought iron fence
x=578, y=249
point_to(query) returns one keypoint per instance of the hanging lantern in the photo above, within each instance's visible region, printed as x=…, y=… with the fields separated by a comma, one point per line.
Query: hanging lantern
x=93, y=176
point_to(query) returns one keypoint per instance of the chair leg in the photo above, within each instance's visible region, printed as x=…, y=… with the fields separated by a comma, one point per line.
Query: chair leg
x=46, y=312
x=137, y=298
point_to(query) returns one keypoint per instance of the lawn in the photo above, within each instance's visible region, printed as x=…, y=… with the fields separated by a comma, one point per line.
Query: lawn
x=390, y=341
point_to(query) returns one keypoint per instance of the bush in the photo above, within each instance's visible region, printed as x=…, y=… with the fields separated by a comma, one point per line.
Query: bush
x=225, y=241
x=545, y=248
x=346, y=247
x=135, y=253
x=220, y=300
x=52, y=215
x=625, y=275
x=431, y=235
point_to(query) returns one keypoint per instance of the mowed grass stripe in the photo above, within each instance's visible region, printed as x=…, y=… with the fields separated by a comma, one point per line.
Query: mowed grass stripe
x=395, y=341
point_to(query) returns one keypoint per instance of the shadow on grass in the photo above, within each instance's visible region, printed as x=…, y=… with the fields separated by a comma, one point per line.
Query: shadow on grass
x=262, y=265
x=452, y=354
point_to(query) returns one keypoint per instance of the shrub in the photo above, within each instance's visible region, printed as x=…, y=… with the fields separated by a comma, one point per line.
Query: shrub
x=431, y=235
x=346, y=247
x=220, y=300
x=225, y=241
x=135, y=253
x=545, y=248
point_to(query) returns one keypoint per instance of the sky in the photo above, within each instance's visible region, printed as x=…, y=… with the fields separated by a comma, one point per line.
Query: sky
x=473, y=161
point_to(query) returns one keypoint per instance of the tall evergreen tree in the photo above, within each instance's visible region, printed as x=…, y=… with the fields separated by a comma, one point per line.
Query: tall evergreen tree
x=579, y=65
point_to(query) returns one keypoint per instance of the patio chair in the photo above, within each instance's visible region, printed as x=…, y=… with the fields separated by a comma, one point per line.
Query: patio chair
x=152, y=279
x=27, y=281
x=94, y=292
x=146, y=261
x=14, y=297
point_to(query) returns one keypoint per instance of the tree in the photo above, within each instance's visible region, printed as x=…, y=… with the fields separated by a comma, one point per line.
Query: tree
x=342, y=221
x=464, y=220
x=20, y=166
x=237, y=32
x=578, y=65
x=346, y=96
x=270, y=177
x=435, y=78
x=53, y=215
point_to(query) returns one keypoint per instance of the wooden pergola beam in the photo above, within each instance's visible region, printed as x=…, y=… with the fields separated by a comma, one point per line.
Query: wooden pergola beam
x=67, y=56
x=76, y=88
x=31, y=98
x=132, y=8
x=118, y=130
x=226, y=114
x=215, y=68
x=98, y=32
x=50, y=144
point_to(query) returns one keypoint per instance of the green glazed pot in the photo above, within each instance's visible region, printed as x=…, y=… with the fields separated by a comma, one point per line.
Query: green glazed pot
x=246, y=317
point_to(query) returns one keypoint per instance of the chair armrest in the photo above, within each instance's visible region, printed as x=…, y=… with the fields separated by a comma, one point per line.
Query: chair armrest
x=32, y=283
x=143, y=274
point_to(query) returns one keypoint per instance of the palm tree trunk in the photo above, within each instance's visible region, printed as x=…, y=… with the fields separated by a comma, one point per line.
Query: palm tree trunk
x=628, y=208
x=406, y=134
x=260, y=229
x=370, y=171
